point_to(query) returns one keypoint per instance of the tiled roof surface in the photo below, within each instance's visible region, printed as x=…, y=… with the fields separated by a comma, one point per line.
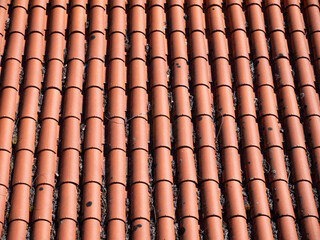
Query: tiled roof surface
x=159, y=119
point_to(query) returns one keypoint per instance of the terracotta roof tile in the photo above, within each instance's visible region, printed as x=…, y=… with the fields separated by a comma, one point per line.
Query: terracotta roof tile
x=159, y=119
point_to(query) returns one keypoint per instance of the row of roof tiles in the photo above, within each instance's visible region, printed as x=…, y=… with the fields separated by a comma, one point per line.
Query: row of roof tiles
x=125, y=54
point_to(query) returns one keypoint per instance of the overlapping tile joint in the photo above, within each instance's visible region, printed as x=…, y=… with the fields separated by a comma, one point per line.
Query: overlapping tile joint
x=159, y=119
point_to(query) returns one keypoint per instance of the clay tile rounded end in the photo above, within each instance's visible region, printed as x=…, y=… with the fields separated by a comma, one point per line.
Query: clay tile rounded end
x=98, y=3
x=78, y=3
x=234, y=2
x=4, y=4
x=20, y=3
x=253, y=2
x=38, y=3
x=309, y=3
x=210, y=3
x=176, y=3
x=153, y=3
x=58, y=3
x=135, y=3
x=114, y=4
x=289, y=3
x=268, y=3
